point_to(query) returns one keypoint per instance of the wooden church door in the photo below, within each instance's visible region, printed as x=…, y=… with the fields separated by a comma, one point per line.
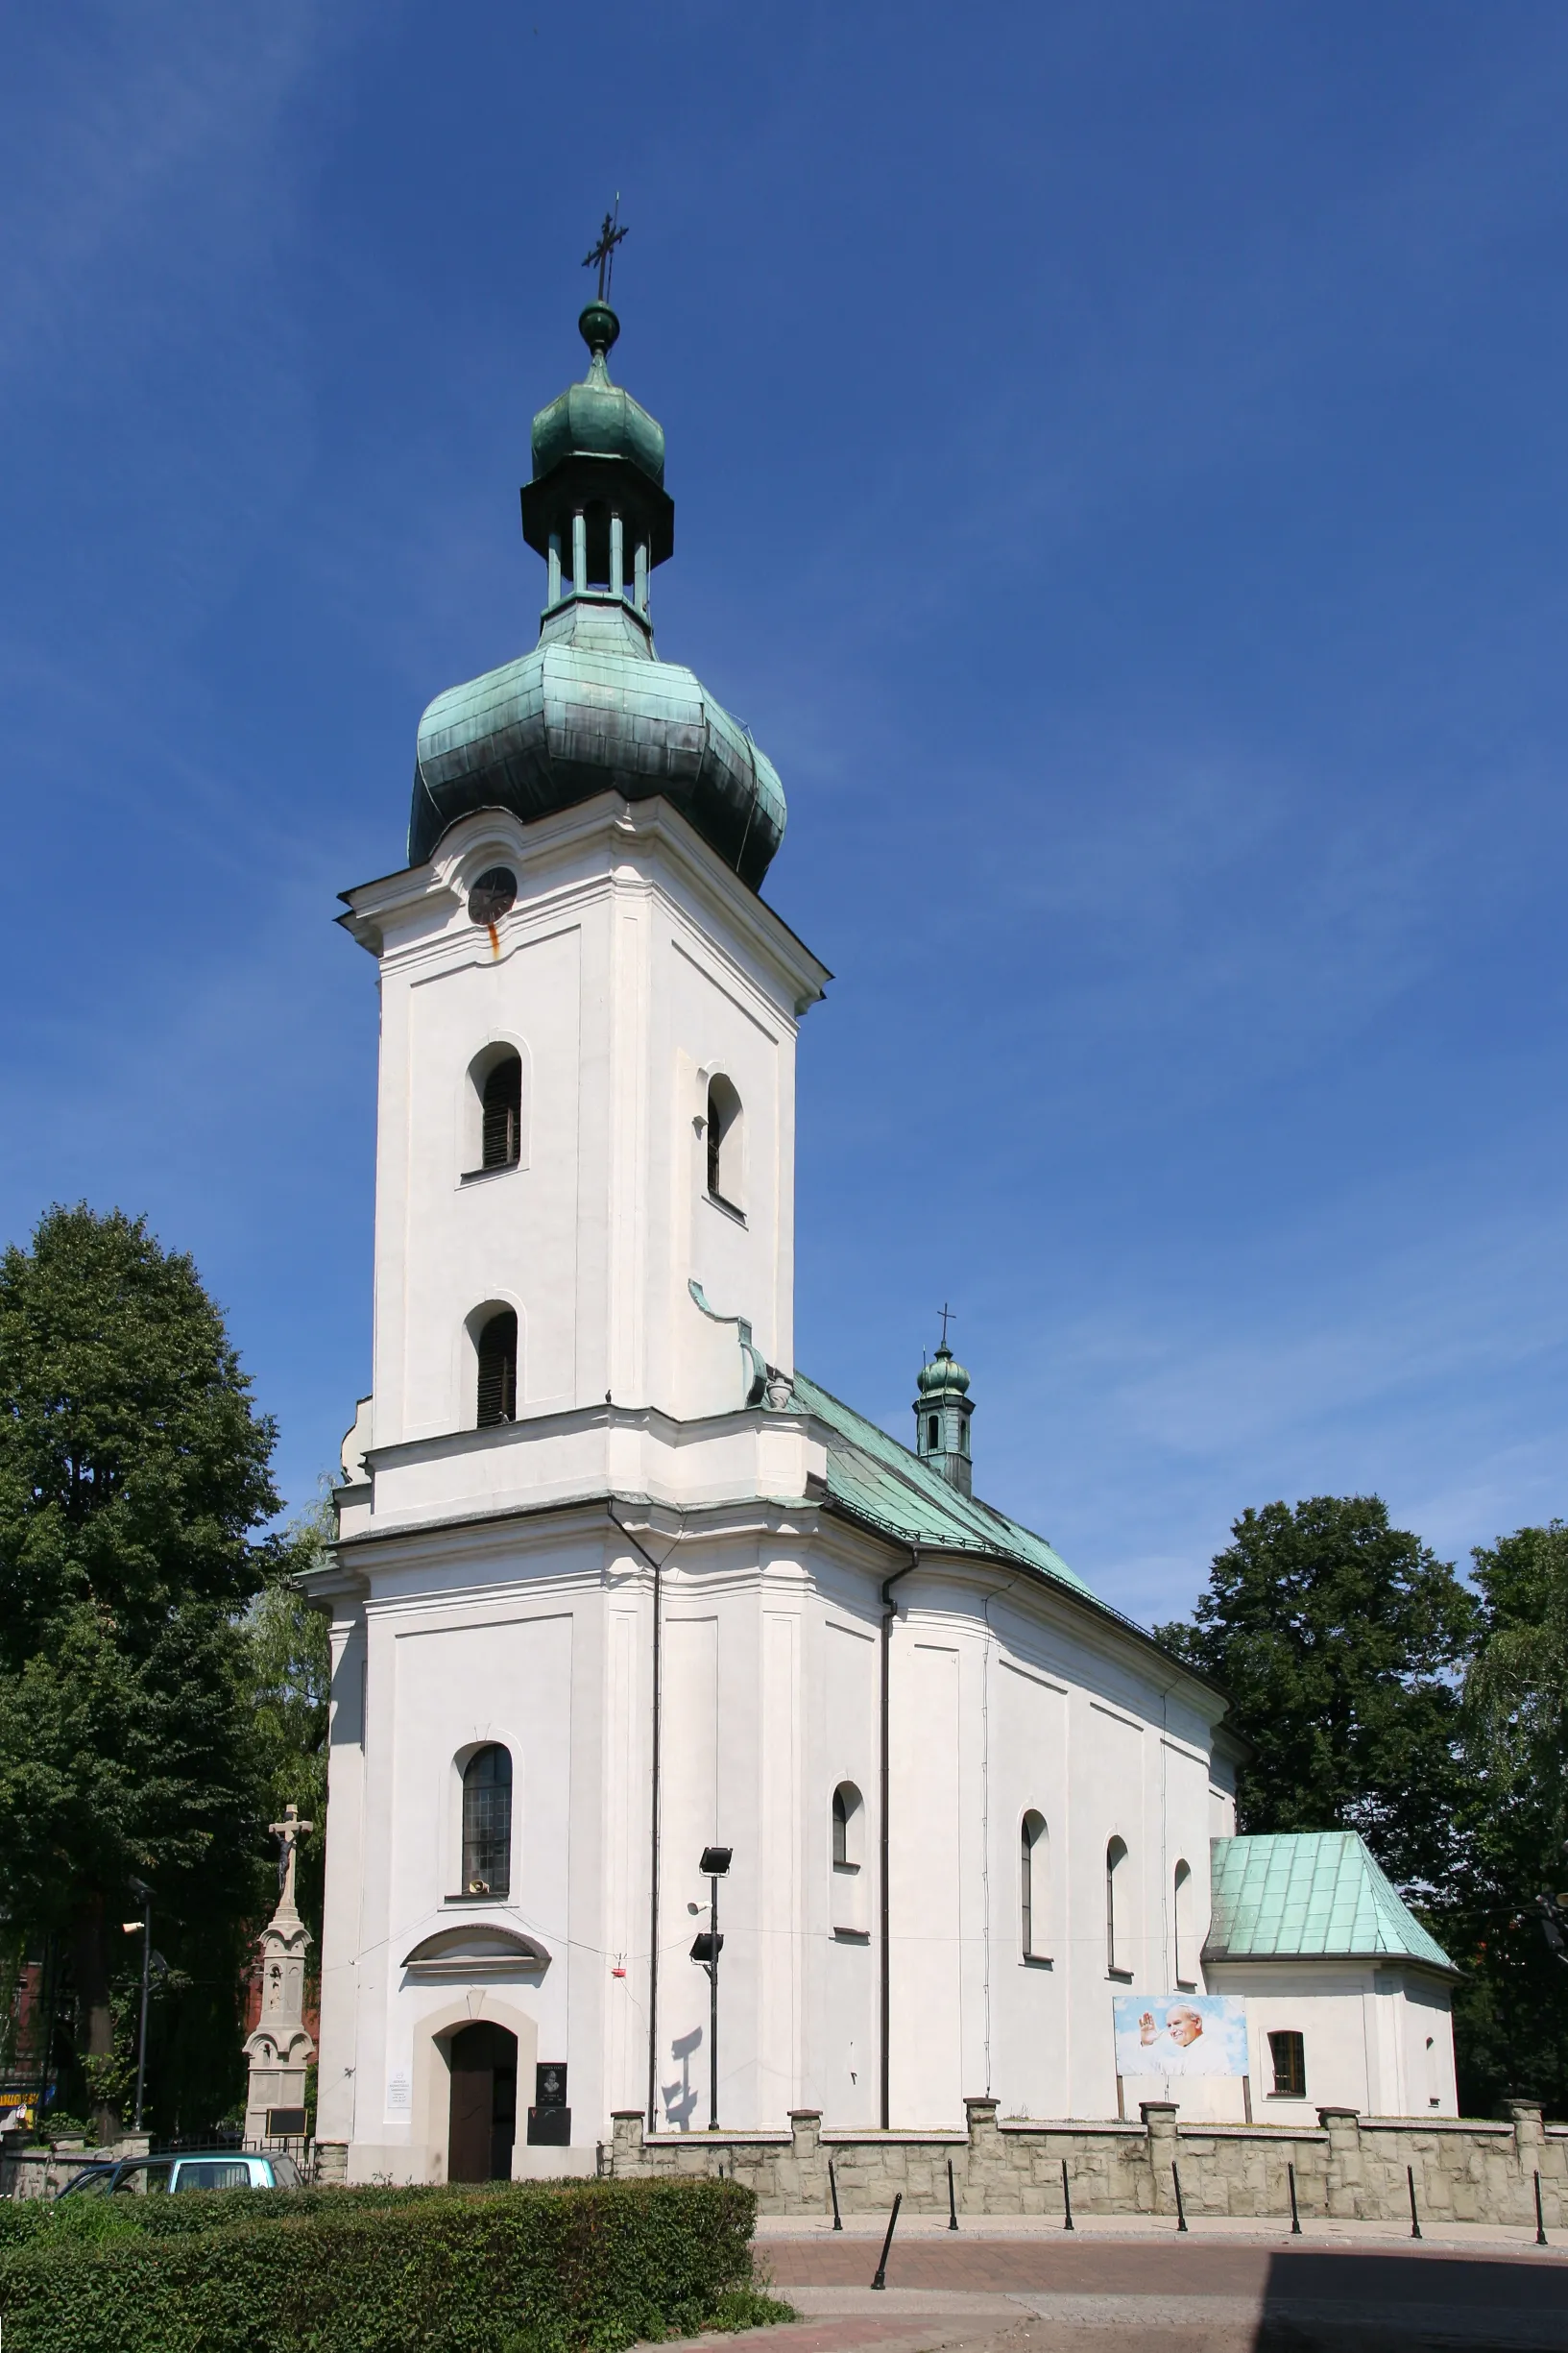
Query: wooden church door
x=484, y=2109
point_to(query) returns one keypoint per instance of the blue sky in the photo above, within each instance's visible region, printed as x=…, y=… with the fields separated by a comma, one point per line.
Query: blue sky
x=1119, y=460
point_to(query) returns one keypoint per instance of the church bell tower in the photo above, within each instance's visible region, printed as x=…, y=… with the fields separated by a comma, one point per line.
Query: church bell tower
x=584, y=1180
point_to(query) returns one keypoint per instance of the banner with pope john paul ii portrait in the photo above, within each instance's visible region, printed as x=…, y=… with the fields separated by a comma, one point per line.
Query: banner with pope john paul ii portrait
x=1181, y=2034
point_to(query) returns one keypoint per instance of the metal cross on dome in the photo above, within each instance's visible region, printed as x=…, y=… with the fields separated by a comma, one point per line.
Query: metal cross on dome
x=604, y=251
x=947, y=1314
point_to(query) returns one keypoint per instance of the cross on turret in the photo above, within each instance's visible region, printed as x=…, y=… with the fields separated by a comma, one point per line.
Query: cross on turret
x=604, y=251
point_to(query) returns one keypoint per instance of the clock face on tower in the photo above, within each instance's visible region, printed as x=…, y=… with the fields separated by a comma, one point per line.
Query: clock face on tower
x=493, y=894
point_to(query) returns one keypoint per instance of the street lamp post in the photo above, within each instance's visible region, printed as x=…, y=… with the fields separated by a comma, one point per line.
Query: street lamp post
x=139, y=1887
x=706, y=1947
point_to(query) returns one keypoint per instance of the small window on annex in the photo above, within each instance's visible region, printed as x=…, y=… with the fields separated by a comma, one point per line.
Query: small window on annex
x=497, y=1392
x=487, y=1823
x=849, y=1822
x=1118, y=1942
x=1288, y=2052
x=724, y=1141
x=1032, y=1854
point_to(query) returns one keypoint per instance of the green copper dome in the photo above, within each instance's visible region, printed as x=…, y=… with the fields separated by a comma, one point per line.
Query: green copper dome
x=943, y=1375
x=592, y=709
x=596, y=418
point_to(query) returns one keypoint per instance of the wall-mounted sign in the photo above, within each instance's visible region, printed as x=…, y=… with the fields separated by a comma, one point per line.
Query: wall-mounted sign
x=1181, y=2034
x=399, y=2091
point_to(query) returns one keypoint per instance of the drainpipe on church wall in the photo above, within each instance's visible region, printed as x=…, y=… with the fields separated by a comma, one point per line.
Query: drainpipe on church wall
x=889, y=1611
x=657, y=1568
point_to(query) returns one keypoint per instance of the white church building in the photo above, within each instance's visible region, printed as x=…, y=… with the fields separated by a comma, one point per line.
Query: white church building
x=630, y=1614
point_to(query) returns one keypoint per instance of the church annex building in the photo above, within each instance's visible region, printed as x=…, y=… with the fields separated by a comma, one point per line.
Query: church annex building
x=631, y=1617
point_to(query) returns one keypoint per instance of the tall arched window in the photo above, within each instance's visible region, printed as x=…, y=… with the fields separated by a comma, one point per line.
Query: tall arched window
x=1117, y=1943
x=500, y=1114
x=724, y=1132
x=1032, y=1852
x=1181, y=1910
x=498, y=1368
x=849, y=1815
x=487, y=1823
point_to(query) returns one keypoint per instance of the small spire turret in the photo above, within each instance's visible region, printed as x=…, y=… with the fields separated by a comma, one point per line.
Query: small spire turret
x=942, y=1416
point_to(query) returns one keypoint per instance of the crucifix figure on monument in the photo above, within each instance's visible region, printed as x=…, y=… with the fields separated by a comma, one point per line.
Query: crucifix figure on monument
x=288, y=1832
x=604, y=251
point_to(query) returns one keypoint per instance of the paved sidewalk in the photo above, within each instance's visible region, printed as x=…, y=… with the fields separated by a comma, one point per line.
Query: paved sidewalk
x=1121, y=2290
x=1272, y=2230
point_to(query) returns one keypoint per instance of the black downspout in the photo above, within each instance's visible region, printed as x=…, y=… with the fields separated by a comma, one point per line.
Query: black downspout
x=886, y=1956
x=657, y=1568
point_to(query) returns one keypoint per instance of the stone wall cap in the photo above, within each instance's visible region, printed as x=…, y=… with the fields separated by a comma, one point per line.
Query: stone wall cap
x=772, y=2137
x=805, y=2114
x=870, y=2136
x=1260, y=2131
x=625, y=2116
x=1112, y=2125
x=1438, y=2123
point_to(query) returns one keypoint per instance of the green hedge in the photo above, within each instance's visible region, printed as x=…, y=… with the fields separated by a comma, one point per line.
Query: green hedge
x=526, y=2268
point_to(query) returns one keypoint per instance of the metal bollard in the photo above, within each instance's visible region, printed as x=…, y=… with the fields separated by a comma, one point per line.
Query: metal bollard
x=953, y=2202
x=832, y=2184
x=1181, y=2211
x=1296, y=2218
x=1540, y=2218
x=880, y=2280
x=1067, y=2198
x=1415, y=2220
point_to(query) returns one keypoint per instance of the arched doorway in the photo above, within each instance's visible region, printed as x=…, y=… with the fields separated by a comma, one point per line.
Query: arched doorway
x=484, y=2110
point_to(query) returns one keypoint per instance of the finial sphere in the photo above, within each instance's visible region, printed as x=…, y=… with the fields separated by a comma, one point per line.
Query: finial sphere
x=599, y=327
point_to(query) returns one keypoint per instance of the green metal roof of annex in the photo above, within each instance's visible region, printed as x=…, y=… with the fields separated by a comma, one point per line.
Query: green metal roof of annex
x=1298, y=1895
x=879, y=1481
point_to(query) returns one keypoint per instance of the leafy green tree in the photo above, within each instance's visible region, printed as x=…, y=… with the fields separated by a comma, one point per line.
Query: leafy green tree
x=132, y=1468
x=1341, y=1641
x=1511, y=2010
x=288, y=1671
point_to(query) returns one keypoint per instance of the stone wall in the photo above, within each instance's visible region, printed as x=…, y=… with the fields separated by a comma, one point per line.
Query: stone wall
x=1350, y=2167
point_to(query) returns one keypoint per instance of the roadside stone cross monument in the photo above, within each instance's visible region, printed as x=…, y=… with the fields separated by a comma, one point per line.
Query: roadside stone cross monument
x=280, y=2051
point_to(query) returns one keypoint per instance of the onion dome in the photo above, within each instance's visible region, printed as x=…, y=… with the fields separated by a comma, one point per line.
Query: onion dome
x=944, y=1373
x=592, y=709
x=941, y=1417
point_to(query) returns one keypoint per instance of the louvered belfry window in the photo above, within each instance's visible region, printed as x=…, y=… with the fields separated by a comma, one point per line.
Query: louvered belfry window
x=502, y=1126
x=487, y=1823
x=498, y=1368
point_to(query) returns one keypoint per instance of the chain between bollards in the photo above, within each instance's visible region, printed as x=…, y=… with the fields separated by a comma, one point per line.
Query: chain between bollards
x=953, y=2202
x=832, y=2184
x=1067, y=2199
x=1415, y=2220
x=1181, y=2211
x=880, y=2280
x=1295, y=2218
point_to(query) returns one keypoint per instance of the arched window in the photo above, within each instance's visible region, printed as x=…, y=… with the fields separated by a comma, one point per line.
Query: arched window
x=933, y=1435
x=1118, y=1945
x=724, y=1132
x=1032, y=1852
x=849, y=1818
x=498, y=1368
x=1185, y=1958
x=500, y=1114
x=487, y=1823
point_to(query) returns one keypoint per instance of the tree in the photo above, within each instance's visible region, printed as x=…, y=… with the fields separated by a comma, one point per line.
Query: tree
x=132, y=1468
x=1339, y=1641
x=288, y=1670
x=1511, y=2010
